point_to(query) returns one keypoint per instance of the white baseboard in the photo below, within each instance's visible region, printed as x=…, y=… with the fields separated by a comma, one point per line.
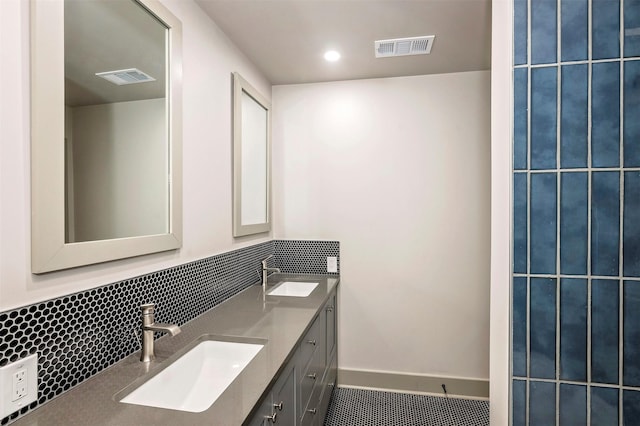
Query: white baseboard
x=458, y=387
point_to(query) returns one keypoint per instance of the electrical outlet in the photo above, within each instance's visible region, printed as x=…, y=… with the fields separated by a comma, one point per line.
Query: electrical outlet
x=332, y=264
x=18, y=385
x=19, y=388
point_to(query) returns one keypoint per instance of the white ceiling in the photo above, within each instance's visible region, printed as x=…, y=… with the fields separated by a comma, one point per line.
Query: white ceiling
x=286, y=39
x=108, y=36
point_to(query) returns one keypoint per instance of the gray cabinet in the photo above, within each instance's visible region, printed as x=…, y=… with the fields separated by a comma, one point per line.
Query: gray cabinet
x=301, y=394
x=331, y=324
x=264, y=415
x=284, y=398
x=279, y=405
x=321, y=371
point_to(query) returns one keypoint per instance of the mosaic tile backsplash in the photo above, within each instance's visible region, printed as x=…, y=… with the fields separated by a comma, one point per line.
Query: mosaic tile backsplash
x=78, y=335
x=576, y=213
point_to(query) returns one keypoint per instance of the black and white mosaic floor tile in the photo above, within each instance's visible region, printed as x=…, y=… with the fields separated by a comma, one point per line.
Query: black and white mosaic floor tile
x=360, y=407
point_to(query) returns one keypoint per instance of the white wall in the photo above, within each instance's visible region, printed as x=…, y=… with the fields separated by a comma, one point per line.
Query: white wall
x=120, y=170
x=398, y=170
x=501, y=155
x=208, y=61
x=362, y=162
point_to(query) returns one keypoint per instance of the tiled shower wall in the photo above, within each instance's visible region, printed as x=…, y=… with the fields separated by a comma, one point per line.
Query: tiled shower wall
x=576, y=213
x=78, y=335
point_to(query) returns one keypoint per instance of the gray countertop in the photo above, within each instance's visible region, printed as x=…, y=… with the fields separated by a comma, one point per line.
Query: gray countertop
x=282, y=321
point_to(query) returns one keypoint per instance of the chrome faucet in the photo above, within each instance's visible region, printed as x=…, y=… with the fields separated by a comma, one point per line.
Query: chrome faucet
x=265, y=272
x=148, y=327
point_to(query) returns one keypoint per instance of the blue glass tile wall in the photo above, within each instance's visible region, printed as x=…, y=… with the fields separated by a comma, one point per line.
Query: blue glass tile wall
x=575, y=313
x=79, y=335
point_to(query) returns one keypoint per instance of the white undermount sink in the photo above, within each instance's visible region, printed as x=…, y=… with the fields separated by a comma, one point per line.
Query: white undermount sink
x=293, y=288
x=195, y=380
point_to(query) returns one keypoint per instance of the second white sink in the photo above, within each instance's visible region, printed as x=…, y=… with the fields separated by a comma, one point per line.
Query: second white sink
x=195, y=380
x=293, y=288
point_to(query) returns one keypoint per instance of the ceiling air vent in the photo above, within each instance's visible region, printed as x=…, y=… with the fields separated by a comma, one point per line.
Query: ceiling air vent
x=128, y=76
x=404, y=46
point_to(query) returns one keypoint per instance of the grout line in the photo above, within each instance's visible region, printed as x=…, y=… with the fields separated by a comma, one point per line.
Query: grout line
x=527, y=395
x=596, y=277
x=620, y=344
x=590, y=30
x=589, y=282
x=621, y=248
x=529, y=90
x=557, y=354
x=558, y=200
x=589, y=201
x=580, y=62
x=527, y=405
x=622, y=35
x=583, y=169
x=529, y=104
x=528, y=326
x=529, y=163
x=578, y=383
x=529, y=150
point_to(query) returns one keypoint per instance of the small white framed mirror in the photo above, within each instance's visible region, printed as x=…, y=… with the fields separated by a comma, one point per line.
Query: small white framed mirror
x=251, y=160
x=106, y=126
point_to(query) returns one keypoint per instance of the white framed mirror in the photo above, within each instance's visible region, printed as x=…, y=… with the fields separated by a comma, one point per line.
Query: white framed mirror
x=251, y=160
x=106, y=126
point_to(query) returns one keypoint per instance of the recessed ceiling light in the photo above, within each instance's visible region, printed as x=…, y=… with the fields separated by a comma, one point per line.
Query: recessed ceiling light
x=331, y=55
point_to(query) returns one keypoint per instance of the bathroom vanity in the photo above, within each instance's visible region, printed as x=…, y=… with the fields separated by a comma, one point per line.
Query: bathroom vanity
x=288, y=381
x=301, y=393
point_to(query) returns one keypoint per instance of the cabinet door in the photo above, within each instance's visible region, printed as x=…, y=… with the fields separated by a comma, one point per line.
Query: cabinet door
x=328, y=384
x=284, y=398
x=260, y=418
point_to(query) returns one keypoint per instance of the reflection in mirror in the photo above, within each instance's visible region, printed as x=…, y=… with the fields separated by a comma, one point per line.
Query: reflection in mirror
x=252, y=157
x=106, y=130
x=254, y=162
x=116, y=157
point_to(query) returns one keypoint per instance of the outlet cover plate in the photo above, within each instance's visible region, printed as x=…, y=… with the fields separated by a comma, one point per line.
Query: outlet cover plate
x=7, y=373
x=332, y=264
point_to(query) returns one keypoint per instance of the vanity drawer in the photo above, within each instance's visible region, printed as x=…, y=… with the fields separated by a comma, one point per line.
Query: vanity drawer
x=311, y=376
x=313, y=414
x=327, y=385
x=312, y=340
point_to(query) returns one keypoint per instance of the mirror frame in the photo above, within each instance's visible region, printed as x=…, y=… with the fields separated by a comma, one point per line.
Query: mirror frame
x=49, y=250
x=241, y=85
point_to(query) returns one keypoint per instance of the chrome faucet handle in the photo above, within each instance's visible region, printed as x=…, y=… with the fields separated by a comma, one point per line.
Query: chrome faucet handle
x=148, y=311
x=148, y=308
x=264, y=262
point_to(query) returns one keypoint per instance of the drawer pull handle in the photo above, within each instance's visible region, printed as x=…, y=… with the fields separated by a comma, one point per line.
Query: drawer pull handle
x=329, y=308
x=312, y=410
x=272, y=418
x=312, y=342
x=278, y=406
x=312, y=376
